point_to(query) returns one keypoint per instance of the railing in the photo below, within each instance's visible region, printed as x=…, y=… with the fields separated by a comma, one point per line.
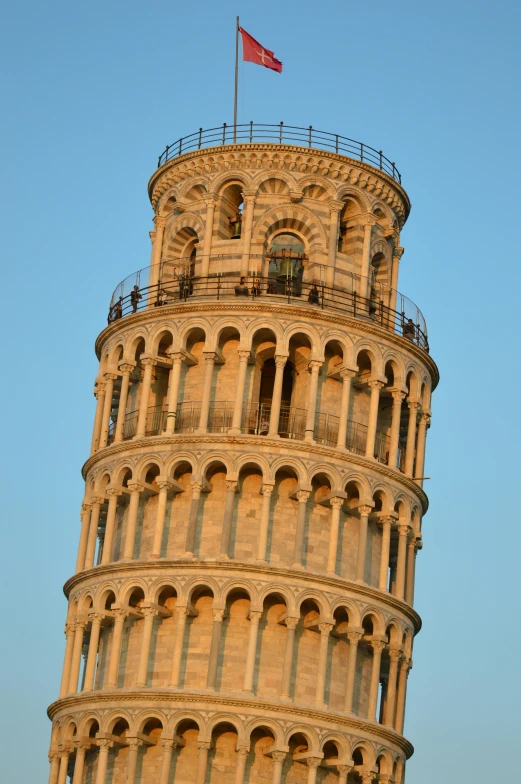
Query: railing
x=404, y=319
x=247, y=133
x=255, y=420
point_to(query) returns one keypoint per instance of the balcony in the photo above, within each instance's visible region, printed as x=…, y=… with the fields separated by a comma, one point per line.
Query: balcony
x=258, y=133
x=255, y=422
x=383, y=307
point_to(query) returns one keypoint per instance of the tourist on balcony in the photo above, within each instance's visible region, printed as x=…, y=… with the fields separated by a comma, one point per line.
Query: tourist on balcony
x=118, y=309
x=313, y=297
x=256, y=289
x=409, y=330
x=242, y=288
x=135, y=296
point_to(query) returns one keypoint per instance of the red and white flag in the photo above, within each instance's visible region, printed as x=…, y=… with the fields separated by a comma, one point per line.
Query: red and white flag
x=253, y=52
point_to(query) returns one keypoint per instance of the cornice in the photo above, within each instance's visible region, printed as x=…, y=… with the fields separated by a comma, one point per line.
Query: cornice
x=317, y=450
x=316, y=578
x=184, y=699
x=206, y=306
x=276, y=149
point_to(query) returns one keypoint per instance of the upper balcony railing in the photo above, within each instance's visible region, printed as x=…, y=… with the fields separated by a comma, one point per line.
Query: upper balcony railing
x=383, y=307
x=251, y=132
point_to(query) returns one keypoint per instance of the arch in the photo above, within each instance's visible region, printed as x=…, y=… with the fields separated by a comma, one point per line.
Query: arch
x=332, y=474
x=376, y=617
x=274, y=589
x=309, y=733
x=352, y=609
x=187, y=220
x=251, y=460
x=158, y=333
x=190, y=183
x=231, y=177
x=258, y=722
x=294, y=217
x=358, y=195
x=214, y=459
x=237, y=585
x=292, y=465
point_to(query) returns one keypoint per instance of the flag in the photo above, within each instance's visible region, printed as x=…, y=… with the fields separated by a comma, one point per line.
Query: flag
x=253, y=52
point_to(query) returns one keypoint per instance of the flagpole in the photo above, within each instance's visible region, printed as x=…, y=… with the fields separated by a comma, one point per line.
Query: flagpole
x=236, y=79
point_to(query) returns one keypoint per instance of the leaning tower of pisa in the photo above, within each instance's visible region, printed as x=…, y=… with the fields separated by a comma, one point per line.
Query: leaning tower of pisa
x=242, y=604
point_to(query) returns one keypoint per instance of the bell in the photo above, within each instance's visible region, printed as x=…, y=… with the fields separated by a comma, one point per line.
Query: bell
x=286, y=269
x=236, y=230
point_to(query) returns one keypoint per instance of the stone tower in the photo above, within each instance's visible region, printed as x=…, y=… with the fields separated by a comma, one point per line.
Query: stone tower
x=242, y=607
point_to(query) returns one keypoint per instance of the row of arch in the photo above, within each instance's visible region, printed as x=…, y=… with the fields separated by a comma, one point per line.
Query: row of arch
x=169, y=748
x=342, y=527
x=232, y=641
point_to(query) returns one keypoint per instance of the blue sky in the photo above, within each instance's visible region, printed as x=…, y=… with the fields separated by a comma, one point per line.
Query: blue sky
x=91, y=94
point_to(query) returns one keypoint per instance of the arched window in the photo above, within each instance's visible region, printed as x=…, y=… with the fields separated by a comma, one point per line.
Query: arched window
x=268, y=379
x=285, y=270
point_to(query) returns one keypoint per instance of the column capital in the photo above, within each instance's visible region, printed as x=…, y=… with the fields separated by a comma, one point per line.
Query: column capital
x=398, y=394
x=367, y=777
x=413, y=404
x=99, y=389
x=355, y=635
x=120, y=613
x=267, y=489
x=96, y=500
x=244, y=354
x=248, y=196
x=135, y=742
x=104, y=743
x=150, y=612
x=386, y=519
x=136, y=487
x=325, y=628
x=69, y=627
x=168, y=743
x=242, y=751
x=406, y=664
x=347, y=372
x=344, y=767
x=365, y=510
x=113, y=492
x=210, y=356
x=80, y=623
x=148, y=362
x=110, y=376
x=336, y=502
x=313, y=762
x=336, y=206
x=377, y=645
x=231, y=485
x=368, y=220
x=375, y=383
x=164, y=481
x=218, y=615
x=280, y=360
x=291, y=623
x=203, y=745
x=182, y=610
x=96, y=616
x=278, y=756
x=404, y=529
x=302, y=496
x=255, y=616
x=398, y=252
x=425, y=418
x=314, y=365
x=127, y=367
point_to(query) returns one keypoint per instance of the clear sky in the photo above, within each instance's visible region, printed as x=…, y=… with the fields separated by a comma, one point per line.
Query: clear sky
x=91, y=94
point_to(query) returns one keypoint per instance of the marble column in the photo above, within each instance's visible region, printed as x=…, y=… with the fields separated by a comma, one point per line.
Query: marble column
x=244, y=356
x=95, y=505
x=375, y=387
x=120, y=615
x=364, y=511
x=336, y=507
x=96, y=620
x=255, y=616
x=174, y=379
x=164, y=487
x=302, y=497
x=79, y=629
x=266, y=490
x=403, y=534
x=181, y=616
x=405, y=668
x=325, y=631
x=410, y=446
x=203, y=748
x=99, y=394
x=291, y=625
x=280, y=364
x=67, y=659
x=335, y=208
x=192, y=519
x=377, y=646
x=314, y=367
x=246, y=232
x=105, y=746
x=110, y=525
x=347, y=380
x=209, y=359
x=136, y=488
x=278, y=758
x=126, y=370
x=149, y=364
x=226, y=531
x=383, y=581
x=390, y=708
x=84, y=535
x=149, y=613
x=354, y=638
x=107, y=408
x=398, y=397
x=218, y=616
x=208, y=235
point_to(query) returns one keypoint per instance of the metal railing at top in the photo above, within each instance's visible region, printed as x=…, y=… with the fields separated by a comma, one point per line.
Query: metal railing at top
x=248, y=133
x=404, y=319
x=255, y=420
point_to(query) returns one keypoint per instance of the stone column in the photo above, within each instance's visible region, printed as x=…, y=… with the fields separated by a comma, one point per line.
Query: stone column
x=90, y=668
x=403, y=531
x=420, y=449
x=240, y=767
x=343, y=773
x=280, y=364
x=347, y=378
x=54, y=760
x=302, y=497
x=136, y=489
x=79, y=628
x=383, y=582
x=354, y=638
x=375, y=387
x=149, y=364
x=208, y=234
x=255, y=616
x=218, y=616
x=67, y=659
x=332, y=246
x=278, y=758
x=203, y=748
x=325, y=631
x=209, y=358
x=291, y=625
x=192, y=519
x=168, y=744
x=266, y=490
x=398, y=396
x=405, y=668
x=377, y=646
x=155, y=261
x=99, y=394
x=93, y=532
x=181, y=614
x=174, y=377
x=149, y=613
x=164, y=486
x=414, y=545
x=397, y=255
x=107, y=407
x=367, y=777
x=336, y=507
x=231, y=489
x=368, y=221
x=103, y=757
x=126, y=369
x=314, y=366
x=394, y=660
x=364, y=511
x=244, y=356
x=133, y=751
x=79, y=762
x=120, y=615
x=312, y=763
x=84, y=535
x=113, y=495
x=247, y=223
x=411, y=437
x=64, y=764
